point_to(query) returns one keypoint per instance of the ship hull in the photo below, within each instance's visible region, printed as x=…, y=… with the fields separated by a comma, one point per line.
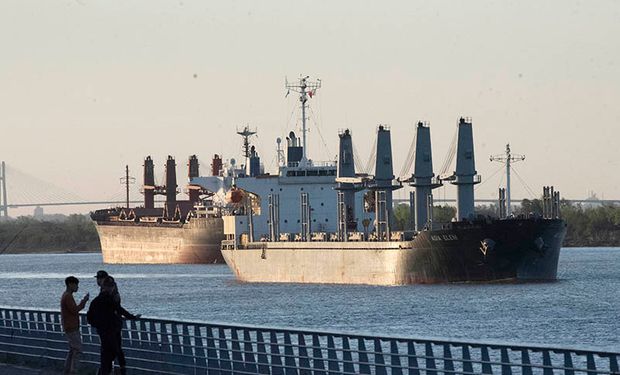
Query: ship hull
x=474, y=252
x=197, y=241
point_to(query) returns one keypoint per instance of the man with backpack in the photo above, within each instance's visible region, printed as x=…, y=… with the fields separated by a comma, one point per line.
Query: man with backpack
x=104, y=313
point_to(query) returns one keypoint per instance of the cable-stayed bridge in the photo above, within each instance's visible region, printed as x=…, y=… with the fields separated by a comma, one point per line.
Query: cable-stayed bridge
x=19, y=190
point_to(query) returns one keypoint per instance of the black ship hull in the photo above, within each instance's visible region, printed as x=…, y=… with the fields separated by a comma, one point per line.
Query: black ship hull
x=519, y=249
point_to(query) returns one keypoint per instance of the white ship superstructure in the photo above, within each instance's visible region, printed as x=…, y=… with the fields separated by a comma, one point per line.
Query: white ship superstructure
x=299, y=199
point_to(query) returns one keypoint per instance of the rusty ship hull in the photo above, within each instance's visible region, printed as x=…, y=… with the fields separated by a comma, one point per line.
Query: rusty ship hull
x=517, y=250
x=195, y=242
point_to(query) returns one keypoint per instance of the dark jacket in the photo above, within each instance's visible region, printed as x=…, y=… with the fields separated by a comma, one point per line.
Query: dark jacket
x=104, y=314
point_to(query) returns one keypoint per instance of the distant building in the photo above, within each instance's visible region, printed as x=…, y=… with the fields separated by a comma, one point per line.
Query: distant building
x=38, y=212
x=592, y=201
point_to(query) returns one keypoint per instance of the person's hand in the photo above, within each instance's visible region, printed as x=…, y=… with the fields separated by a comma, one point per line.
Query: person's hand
x=86, y=297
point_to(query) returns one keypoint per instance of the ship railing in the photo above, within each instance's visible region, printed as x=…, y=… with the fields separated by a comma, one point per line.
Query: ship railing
x=35, y=337
x=228, y=244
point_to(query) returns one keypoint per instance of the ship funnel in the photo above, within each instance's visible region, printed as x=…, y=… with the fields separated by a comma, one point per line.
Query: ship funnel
x=465, y=176
x=382, y=185
x=254, y=161
x=294, y=151
x=423, y=177
x=149, y=183
x=193, y=167
x=193, y=172
x=216, y=165
x=171, y=184
x=347, y=186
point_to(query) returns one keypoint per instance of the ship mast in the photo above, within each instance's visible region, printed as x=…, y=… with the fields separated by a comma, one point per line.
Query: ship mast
x=126, y=181
x=507, y=159
x=305, y=89
x=246, y=133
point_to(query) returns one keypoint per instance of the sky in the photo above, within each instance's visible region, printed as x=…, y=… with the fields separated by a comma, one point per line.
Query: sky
x=88, y=86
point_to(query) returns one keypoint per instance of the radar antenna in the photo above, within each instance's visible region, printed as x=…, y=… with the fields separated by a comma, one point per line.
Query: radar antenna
x=305, y=89
x=507, y=158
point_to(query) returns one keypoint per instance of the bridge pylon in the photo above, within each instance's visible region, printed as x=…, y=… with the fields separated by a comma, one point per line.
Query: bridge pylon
x=4, y=205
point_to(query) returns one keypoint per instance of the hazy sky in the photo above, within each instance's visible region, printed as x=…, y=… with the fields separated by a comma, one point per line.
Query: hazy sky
x=89, y=86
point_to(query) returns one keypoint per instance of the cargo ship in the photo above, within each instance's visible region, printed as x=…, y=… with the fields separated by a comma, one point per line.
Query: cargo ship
x=181, y=231
x=470, y=248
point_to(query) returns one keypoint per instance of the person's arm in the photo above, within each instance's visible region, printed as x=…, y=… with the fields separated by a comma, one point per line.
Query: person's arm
x=82, y=303
x=126, y=314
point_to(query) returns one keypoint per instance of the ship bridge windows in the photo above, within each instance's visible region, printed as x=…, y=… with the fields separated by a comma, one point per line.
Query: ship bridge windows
x=311, y=172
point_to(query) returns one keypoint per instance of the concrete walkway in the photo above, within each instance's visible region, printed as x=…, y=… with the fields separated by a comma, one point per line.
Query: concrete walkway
x=21, y=370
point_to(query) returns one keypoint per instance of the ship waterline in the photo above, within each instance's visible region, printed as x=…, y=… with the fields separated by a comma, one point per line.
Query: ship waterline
x=197, y=241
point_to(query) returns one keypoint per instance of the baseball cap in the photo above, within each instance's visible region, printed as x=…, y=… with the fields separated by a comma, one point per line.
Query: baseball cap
x=101, y=274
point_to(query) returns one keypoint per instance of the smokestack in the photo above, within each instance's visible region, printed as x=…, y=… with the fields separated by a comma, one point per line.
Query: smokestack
x=465, y=175
x=422, y=178
x=193, y=172
x=149, y=183
x=193, y=165
x=294, y=152
x=171, y=184
x=216, y=165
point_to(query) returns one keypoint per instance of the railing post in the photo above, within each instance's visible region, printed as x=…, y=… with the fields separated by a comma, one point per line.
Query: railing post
x=237, y=358
x=448, y=365
x=225, y=365
x=332, y=356
x=525, y=362
x=263, y=361
x=248, y=352
x=199, y=351
x=613, y=364
x=379, y=361
x=347, y=359
x=568, y=363
x=318, y=365
x=412, y=359
x=468, y=366
x=506, y=369
x=591, y=364
x=304, y=360
x=363, y=357
x=189, y=357
x=430, y=360
x=395, y=364
x=213, y=363
x=276, y=361
x=484, y=355
x=289, y=355
x=547, y=363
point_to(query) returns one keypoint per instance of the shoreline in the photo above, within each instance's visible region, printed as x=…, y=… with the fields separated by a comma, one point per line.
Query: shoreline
x=48, y=251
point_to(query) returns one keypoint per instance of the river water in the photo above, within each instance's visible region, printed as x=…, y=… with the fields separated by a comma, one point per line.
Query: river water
x=581, y=309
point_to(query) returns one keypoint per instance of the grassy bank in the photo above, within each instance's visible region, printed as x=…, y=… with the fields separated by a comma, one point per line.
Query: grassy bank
x=51, y=234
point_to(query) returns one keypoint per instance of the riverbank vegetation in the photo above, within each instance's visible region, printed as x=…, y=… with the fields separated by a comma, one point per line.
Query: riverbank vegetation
x=52, y=233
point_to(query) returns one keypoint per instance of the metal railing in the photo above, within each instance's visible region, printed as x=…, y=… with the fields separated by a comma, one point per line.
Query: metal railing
x=183, y=347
